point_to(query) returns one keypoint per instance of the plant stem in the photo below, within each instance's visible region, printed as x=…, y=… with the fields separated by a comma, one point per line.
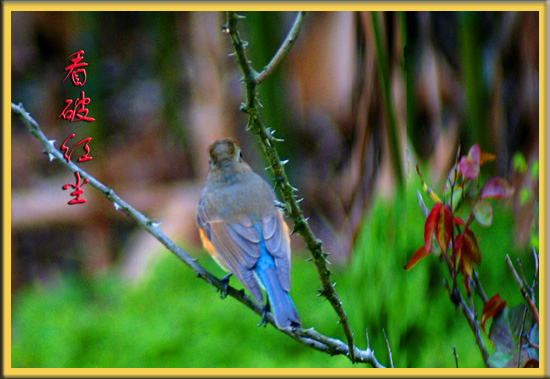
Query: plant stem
x=391, y=129
x=267, y=141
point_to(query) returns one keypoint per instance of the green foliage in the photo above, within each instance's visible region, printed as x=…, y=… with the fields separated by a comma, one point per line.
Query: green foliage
x=519, y=163
x=173, y=319
x=170, y=319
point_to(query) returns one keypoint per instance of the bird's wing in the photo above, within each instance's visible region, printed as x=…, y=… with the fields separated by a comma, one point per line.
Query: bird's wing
x=277, y=243
x=236, y=246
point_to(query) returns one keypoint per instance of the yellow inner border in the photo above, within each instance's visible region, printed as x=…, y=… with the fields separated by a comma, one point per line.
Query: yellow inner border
x=294, y=6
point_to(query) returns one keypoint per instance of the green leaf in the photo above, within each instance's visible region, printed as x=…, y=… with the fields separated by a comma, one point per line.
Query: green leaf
x=483, y=212
x=499, y=359
x=457, y=196
x=519, y=163
x=524, y=195
x=501, y=335
x=534, y=339
x=535, y=170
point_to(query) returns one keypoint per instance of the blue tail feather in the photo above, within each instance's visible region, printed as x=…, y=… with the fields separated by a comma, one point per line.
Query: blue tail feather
x=283, y=308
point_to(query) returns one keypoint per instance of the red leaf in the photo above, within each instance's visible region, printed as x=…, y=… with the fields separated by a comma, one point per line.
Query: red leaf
x=492, y=308
x=531, y=363
x=469, y=169
x=443, y=228
x=418, y=255
x=429, y=226
x=471, y=247
x=458, y=221
x=469, y=166
x=474, y=153
x=496, y=188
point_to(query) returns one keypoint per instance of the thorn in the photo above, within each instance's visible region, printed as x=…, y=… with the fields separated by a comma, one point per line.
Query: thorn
x=299, y=200
x=226, y=29
x=51, y=157
x=240, y=17
x=245, y=45
x=267, y=168
x=117, y=207
x=284, y=162
x=309, y=259
x=154, y=224
x=278, y=139
x=231, y=54
x=278, y=204
x=294, y=189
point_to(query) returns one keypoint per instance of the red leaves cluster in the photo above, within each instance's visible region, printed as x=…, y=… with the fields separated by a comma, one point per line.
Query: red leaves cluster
x=445, y=228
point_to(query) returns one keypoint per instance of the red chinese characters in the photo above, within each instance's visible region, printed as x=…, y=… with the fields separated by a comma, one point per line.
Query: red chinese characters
x=82, y=158
x=76, y=111
x=74, y=73
x=79, y=108
x=77, y=190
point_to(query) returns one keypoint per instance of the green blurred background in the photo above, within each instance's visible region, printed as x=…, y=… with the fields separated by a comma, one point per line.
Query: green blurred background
x=89, y=289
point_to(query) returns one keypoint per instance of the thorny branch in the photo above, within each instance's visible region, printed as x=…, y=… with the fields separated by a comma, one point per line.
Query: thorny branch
x=255, y=123
x=308, y=337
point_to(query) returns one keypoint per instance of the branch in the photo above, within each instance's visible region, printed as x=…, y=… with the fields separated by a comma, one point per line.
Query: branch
x=456, y=356
x=470, y=318
x=307, y=337
x=388, y=346
x=530, y=303
x=283, y=50
x=267, y=140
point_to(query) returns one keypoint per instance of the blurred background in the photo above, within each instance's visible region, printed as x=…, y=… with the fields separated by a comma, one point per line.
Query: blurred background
x=91, y=289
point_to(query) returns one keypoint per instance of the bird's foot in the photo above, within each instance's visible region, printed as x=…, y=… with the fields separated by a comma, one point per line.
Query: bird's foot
x=263, y=320
x=225, y=282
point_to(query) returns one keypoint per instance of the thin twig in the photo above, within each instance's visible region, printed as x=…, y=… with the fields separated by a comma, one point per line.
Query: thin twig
x=518, y=261
x=536, y=258
x=522, y=289
x=283, y=50
x=388, y=346
x=456, y=356
x=477, y=287
x=472, y=322
x=267, y=140
x=307, y=337
x=520, y=335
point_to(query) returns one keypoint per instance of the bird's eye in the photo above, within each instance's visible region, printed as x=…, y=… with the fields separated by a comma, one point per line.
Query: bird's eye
x=240, y=156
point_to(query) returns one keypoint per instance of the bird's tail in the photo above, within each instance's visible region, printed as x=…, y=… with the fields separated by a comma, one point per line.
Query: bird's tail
x=283, y=308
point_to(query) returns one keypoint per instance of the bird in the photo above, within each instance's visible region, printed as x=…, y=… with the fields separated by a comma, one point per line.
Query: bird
x=243, y=230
